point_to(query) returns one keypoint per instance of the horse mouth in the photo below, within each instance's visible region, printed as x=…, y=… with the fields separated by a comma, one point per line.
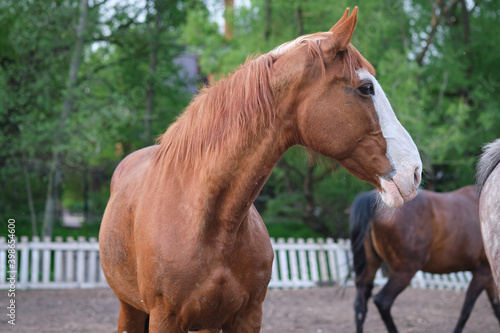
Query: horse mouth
x=393, y=195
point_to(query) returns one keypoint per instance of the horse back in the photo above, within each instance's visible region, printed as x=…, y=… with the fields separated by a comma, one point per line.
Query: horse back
x=456, y=241
x=435, y=232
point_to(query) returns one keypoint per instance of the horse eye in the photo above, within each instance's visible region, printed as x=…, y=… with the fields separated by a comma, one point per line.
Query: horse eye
x=367, y=89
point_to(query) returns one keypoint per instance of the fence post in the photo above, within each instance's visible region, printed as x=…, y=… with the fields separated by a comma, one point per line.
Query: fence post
x=70, y=261
x=25, y=259
x=292, y=256
x=331, y=247
x=283, y=262
x=102, y=277
x=58, y=262
x=323, y=267
x=92, y=264
x=3, y=260
x=46, y=260
x=313, y=260
x=418, y=280
x=35, y=261
x=304, y=268
x=343, y=265
x=274, y=269
x=80, y=262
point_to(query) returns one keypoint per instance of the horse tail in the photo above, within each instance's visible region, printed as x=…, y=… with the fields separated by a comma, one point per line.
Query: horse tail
x=359, y=218
x=488, y=161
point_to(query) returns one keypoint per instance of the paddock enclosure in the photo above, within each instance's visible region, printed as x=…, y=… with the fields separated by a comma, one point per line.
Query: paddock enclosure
x=298, y=263
x=313, y=310
x=82, y=306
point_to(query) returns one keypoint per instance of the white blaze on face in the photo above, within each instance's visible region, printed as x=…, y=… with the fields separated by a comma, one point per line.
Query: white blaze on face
x=401, y=150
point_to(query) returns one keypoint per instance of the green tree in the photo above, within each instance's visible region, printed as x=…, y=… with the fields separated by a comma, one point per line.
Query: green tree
x=80, y=89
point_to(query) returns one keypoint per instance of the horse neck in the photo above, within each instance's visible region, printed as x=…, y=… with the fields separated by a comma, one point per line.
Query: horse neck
x=230, y=183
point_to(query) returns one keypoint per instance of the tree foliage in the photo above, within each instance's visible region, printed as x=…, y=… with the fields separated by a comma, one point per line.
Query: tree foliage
x=436, y=60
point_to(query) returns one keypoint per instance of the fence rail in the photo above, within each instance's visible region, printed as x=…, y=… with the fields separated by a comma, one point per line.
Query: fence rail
x=298, y=263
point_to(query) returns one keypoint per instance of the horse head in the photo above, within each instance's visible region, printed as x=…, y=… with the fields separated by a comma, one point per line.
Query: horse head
x=340, y=110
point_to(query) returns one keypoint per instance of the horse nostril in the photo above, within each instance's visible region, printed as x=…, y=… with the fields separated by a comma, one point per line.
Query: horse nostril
x=416, y=177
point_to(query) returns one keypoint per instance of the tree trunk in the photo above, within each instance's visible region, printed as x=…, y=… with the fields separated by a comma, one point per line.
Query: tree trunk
x=229, y=19
x=24, y=163
x=86, y=194
x=51, y=201
x=55, y=166
x=299, y=17
x=439, y=10
x=267, y=30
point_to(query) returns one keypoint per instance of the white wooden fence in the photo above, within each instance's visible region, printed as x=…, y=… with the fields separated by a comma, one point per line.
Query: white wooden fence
x=298, y=264
x=53, y=265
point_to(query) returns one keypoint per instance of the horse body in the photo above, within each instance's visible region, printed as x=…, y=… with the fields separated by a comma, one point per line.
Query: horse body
x=181, y=244
x=488, y=182
x=204, y=262
x=436, y=233
x=454, y=221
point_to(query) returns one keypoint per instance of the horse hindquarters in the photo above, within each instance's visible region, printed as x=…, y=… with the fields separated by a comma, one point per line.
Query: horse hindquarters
x=366, y=261
x=493, y=297
x=364, y=284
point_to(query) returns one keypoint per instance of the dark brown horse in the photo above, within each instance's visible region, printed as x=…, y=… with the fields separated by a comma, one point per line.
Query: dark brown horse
x=488, y=183
x=436, y=233
x=181, y=244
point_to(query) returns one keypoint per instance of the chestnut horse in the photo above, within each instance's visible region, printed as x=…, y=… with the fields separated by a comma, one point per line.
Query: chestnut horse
x=488, y=183
x=435, y=232
x=181, y=244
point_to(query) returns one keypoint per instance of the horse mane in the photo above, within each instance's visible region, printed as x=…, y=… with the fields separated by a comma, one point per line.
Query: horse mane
x=236, y=105
x=351, y=57
x=240, y=103
x=488, y=161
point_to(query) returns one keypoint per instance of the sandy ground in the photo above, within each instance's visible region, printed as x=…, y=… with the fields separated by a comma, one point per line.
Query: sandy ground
x=318, y=310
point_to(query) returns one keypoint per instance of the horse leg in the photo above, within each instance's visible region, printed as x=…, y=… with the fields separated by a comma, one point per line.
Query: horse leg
x=132, y=320
x=248, y=322
x=480, y=279
x=493, y=296
x=161, y=321
x=250, y=319
x=397, y=282
x=364, y=286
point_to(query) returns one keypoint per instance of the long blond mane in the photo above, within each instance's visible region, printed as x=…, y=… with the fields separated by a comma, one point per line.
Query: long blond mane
x=233, y=107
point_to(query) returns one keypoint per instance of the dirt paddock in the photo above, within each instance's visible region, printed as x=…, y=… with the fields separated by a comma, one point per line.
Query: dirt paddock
x=319, y=310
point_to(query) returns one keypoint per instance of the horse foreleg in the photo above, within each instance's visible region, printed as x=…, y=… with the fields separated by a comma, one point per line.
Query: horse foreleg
x=163, y=321
x=480, y=279
x=249, y=320
x=493, y=296
x=132, y=320
x=364, y=286
x=397, y=282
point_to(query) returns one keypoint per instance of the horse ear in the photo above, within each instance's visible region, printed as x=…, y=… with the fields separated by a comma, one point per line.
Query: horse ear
x=342, y=19
x=342, y=31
